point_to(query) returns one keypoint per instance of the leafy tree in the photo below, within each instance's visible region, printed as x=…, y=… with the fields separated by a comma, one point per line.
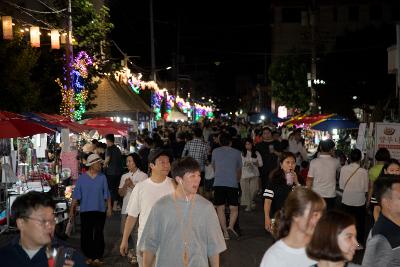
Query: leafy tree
x=288, y=75
x=29, y=85
x=18, y=90
x=91, y=27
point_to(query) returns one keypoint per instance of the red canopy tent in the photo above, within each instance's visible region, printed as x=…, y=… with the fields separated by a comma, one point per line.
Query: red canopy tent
x=106, y=126
x=64, y=122
x=15, y=125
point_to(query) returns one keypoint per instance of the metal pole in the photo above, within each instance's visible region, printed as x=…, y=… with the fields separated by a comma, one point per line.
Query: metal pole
x=313, y=103
x=177, y=56
x=153, y=54
x=69, y=49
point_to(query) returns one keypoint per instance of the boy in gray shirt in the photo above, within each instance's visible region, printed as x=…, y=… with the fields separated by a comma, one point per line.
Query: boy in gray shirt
x=182, y=228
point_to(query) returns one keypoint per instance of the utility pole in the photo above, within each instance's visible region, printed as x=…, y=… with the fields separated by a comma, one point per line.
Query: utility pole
x=69, y=48
x=313, y=20
x=153, y=53
x=177, y=55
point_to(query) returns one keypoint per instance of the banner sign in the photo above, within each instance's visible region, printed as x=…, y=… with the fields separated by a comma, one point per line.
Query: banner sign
x=387, y=135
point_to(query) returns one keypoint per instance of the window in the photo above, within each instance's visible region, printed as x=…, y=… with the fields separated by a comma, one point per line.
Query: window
x=353, y=13
x=375, y=12
x=291, y=15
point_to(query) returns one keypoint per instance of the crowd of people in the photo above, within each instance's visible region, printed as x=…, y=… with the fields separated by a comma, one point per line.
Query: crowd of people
x=182, y=193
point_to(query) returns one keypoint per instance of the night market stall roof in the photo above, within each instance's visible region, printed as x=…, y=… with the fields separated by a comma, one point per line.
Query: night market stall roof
x=322, y=122
x=335, y=122
x=116, y=99
x=306, y=120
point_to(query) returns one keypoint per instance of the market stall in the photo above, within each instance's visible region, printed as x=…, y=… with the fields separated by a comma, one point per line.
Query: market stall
x=26, y=165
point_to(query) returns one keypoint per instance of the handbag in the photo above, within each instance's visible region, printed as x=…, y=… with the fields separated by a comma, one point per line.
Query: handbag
x=249, y=170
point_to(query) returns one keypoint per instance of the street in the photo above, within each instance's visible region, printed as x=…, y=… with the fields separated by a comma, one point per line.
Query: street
x=247, y=251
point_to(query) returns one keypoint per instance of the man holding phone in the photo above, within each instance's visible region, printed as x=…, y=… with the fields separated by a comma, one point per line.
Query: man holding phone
x=34, y=214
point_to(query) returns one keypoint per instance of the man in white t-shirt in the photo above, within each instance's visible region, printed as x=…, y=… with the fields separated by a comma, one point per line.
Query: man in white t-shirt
x=321, y=176
x=128, y=182
x=146, y=194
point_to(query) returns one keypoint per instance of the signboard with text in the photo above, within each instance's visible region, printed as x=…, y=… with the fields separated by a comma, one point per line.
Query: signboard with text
x=387, y=135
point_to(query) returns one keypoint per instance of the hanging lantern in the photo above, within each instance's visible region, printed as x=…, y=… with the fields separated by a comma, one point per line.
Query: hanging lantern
x=35, y=36
x=7, y=27
x=63, y=38
x=55, y=39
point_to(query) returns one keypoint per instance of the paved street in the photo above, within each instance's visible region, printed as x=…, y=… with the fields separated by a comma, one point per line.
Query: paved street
x=247, y=251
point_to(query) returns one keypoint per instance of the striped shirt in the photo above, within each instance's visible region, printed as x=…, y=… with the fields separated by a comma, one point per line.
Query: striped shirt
x=277, y=193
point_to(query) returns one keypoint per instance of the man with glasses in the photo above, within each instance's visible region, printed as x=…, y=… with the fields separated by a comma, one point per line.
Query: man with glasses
x=34, y=214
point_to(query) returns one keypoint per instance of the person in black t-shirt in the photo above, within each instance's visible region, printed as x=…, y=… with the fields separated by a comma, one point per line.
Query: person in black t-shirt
x=281, y=182
x=266, y=149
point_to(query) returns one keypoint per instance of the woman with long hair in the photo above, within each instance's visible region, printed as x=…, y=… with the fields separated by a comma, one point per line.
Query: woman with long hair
x=251, y=160
x=294, y=227
x=334, y=242
x=281, y=182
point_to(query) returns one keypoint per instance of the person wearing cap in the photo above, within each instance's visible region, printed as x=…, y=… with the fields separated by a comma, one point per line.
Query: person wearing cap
x=145, y=194
x=92, y=194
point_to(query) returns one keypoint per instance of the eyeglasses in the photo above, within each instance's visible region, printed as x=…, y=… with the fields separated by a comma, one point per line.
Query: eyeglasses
x=44, y=223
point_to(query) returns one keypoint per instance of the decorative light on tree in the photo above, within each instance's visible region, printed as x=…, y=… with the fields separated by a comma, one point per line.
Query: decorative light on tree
x=74, y=99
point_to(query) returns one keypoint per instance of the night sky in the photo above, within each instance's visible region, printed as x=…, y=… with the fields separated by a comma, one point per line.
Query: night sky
x=231, y=33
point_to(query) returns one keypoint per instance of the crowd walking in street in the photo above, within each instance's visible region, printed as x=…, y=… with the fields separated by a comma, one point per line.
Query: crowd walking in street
x=181, y=197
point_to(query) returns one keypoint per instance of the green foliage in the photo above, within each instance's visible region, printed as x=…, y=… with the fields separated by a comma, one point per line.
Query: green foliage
x=27, y=75
x=288, y=75
x=90, y=26
x=90, y=30
x=18, y=87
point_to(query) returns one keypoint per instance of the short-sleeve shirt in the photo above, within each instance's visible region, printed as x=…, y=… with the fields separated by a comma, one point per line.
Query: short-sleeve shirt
x=144, y=196
x=323, y=170
x=163, y=232
x=354, y=194
x=91, y=193
x=197, y=149
x=115, y=163
x=277, y=193
x=374, y=172
x=136, y=177
x=281, y=255
x=226, y=161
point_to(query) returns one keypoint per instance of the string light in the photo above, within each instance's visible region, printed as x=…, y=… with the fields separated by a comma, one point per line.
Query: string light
x=137, y=85
x=73, y=103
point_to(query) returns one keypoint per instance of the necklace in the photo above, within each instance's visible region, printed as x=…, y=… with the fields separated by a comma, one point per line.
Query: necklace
x=185, y=230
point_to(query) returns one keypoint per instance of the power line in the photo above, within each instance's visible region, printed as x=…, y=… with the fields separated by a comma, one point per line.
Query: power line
x=35, y=11
x=51, y=8
x=29, y=14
